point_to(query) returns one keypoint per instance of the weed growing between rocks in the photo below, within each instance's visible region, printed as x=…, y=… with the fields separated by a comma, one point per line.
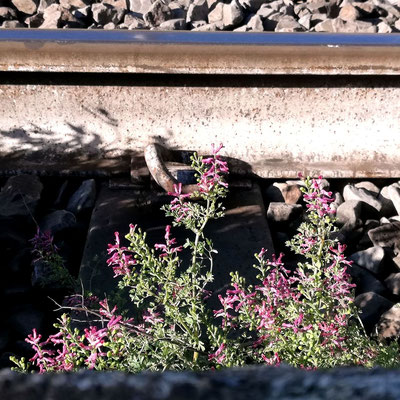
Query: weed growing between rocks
x=305, y=318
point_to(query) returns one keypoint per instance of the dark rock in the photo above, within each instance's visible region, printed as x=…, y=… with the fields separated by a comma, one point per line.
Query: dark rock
x=393, y=283
x=396, y=262
x=290, y=194
x=25, y=318
x=349, y=233
x=7, y=13
x=281, y=212
x=83, y=14
x=387, y=205
x=273, y=193
x=365, y=242
x=372, y=306
x=20, y=195
x=198, y=24
x=365, y=281
x=388, y=7
x=338, y=200
x=57, y=221
x=387, y=235
x=19, y=261
x=350, y=192
x=104, y=13
x=177, y=10
x=173, y=24
x=28, y=7
x=52, y=17
x=158, y=13
x=388, y=326
x=370, y=259
x=132, y=18
x=4, y=338
x=35, y=20
x=84, y=198
x=349, y=213
x=197, y=11
x=394, y=194
x=232, y=14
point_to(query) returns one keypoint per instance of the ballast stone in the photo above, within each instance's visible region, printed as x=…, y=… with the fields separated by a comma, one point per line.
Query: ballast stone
x=370, y=259
x=57, y=221
x=351, y=192
x=387, y=204
x=197, y=11
x=28, y=7
x=393, y=283
x=281, y=212
x=288, y=24
x=104, y=14
x=84, y=198
x=365, y=281
x=158, y=13
x=173, y=24
x=349, y=212
x=394, y=194
x=372, y=306
x=388, y=326
x=7, y=13
x=20, y=195
x=386, y=235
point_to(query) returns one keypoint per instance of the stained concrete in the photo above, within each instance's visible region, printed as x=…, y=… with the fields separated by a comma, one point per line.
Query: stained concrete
x=276, y=127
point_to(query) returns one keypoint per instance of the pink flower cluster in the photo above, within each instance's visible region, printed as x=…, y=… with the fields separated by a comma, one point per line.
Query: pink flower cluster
x=62, y=351
x=265, y=309
x=212, y=177
x=43, y=245
x=167, y=247
x=319, y=199
x=179, y=204
x=120, y=261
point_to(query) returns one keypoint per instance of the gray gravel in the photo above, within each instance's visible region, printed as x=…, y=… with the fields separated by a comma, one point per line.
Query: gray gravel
x=371, y=16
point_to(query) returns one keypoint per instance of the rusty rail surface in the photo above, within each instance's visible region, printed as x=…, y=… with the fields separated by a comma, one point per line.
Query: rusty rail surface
x=73, y=100
x=198, y=52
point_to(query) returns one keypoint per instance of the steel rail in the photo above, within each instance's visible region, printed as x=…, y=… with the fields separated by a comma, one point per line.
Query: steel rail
x=158, y=52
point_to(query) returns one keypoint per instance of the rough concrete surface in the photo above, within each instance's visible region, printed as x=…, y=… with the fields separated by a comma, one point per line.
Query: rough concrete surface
x=277, y=128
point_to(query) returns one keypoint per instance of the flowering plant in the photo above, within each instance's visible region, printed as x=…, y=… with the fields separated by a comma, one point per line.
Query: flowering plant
x=306, y=318
x=46, y=252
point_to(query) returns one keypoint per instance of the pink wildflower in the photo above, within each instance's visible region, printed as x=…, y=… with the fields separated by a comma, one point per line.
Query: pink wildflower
x=218, y=356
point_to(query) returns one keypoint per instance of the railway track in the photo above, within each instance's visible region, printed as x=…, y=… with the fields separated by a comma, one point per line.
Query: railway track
x=95, y=103
x=89, y=100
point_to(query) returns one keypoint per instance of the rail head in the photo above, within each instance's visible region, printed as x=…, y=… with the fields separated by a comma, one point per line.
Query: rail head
x=142, y=51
